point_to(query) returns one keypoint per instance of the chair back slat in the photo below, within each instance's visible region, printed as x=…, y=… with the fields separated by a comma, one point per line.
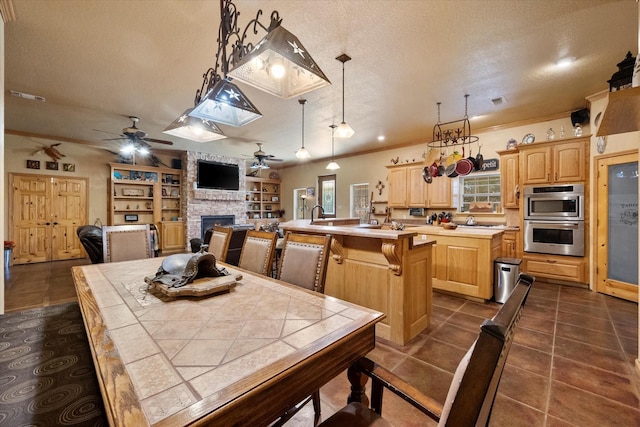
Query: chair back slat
x=219, y=242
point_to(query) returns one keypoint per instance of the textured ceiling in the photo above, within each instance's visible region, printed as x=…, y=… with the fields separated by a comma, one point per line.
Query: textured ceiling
x=97, y=62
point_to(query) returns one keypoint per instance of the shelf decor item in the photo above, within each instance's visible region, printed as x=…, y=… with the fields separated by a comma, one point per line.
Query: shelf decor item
x=136, y=192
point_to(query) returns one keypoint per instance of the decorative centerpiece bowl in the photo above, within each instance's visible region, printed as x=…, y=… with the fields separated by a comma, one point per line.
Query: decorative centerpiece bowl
x=449, y=226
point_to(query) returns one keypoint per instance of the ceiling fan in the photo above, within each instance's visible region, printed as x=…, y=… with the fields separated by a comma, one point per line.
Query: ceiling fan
x=261, y=158
x=137, y=137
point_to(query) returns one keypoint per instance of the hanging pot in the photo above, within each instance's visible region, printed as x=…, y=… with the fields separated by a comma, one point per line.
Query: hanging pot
x=479, y=159
x=464, y=167
x=433, y=169
x=426, y=175
x=451, y=171
x=473, y=161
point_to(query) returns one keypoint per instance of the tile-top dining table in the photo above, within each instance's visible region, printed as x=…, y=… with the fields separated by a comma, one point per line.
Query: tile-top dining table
x=237, y=358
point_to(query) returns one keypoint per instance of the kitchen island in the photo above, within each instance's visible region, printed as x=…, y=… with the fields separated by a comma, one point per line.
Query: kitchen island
x=385, y=270
x=463, y=258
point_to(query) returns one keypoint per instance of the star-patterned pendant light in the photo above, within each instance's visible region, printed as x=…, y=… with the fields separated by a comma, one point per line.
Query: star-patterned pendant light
x=194, y=129
x=280, y=65
x=225, y=103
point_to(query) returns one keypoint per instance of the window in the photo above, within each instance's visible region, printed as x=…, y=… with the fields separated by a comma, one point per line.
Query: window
x=482, y=189
x=327, y=195
x=359, y=202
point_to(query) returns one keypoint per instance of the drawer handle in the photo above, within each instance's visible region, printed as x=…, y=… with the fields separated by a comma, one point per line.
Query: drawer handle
x=551, y=261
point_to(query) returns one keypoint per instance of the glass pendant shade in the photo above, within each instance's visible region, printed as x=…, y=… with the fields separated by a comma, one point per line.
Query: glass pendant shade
x=303, y=153
x=280, y=65
x=333, y=166
x=225, y=103
x=344, y=131
x=194, y=129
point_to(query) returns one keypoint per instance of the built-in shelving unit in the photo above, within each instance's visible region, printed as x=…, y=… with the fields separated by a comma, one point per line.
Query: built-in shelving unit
x=263, y=199
x=148, y=195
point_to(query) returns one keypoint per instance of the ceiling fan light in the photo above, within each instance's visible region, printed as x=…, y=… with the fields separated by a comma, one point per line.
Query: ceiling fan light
x=280, y=65
x=333, y=166
x=225, y=103
x=303, y=153
x=194, y=129
x=344, y=131
x=128, y=148
x=143, y=150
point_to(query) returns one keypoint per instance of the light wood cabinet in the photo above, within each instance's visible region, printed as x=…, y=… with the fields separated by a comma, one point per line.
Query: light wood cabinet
x=148, y=195
x=172, y=233
x=553, y=162
x=439, y=193
x=407, y=188
x=571, y=269
x=416, y=187
x=510, y=244
x=510, y=180
x=397, y=187
x=263, y=198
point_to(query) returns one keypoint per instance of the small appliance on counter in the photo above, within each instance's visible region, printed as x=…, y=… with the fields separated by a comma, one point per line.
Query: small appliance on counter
x=416, y=211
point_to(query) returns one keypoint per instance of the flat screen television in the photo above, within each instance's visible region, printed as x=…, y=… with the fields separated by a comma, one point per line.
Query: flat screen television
x=218, y=176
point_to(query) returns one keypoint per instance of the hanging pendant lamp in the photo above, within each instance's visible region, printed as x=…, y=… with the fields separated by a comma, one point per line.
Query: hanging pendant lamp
x=194, y=129
x=344, y=130
x=302, y=153
x=332, y=165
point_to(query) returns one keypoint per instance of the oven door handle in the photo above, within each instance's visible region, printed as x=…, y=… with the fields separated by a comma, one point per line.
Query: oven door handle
x=556, y=224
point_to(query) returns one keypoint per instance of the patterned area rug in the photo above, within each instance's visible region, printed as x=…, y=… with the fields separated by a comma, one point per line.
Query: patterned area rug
x=47, y=376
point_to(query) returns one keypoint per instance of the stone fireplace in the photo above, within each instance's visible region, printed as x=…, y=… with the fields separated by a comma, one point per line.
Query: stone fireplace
x=209, y=221
x=201, y=202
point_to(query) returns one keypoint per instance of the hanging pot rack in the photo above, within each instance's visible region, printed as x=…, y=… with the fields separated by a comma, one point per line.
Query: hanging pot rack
x=452, y=134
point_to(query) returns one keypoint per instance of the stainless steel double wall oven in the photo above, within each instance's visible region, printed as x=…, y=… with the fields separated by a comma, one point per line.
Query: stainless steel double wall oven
x=554, y=219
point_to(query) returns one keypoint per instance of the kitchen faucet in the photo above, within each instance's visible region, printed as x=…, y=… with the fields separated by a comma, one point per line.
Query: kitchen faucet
x=321, y=212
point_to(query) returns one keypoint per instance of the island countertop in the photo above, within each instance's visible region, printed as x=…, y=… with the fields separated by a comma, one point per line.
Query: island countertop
x=304, y=226
x=471, y=232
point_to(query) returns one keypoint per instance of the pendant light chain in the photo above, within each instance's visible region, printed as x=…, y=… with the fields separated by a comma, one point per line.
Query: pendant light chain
x=343, y=93
x=302, y=101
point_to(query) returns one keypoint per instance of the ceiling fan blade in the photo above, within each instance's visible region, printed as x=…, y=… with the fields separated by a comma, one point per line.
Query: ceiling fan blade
x=271, y=159
x=116, y=139
x=158, y=141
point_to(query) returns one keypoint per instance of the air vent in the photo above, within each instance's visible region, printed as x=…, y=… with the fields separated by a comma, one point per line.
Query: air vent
x=27, y=96
x=499, y=100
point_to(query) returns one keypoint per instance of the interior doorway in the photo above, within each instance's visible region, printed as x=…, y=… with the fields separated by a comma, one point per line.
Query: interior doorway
x=45, y=213
x=617, y=225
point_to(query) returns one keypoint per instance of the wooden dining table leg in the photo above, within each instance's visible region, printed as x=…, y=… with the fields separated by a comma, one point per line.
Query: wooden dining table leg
x=358, y=382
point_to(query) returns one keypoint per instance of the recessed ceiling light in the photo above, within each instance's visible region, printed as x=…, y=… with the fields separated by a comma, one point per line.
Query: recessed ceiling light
x=565, y=62
x=27, y=96
x=380, y=138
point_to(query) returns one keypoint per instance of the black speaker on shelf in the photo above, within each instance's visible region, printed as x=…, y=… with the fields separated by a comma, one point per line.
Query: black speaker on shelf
x=580, y=117
x=176, y=163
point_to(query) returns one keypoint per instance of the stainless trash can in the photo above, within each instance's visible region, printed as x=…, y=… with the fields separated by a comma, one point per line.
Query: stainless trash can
x=505, y=277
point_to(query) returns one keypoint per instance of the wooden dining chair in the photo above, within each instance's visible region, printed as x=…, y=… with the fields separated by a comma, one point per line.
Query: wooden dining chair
x=219, y=242
x=126, y=242
x=258, y=250
x=303, y=262
x=472, y=391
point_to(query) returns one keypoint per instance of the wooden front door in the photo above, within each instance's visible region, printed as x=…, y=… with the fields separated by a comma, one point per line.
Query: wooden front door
x=45, y=213
x=617, y=225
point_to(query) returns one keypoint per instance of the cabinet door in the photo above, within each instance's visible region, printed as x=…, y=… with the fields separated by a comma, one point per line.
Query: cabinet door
x=172, y=237
x=416, y=187
x=398, y=187
x=510, y=244
x=535, y=165
x=510, y=180
x=439, y=193
x=569, y=162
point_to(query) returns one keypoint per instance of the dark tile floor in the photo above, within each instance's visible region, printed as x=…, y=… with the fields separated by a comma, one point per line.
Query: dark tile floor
x=571, y=364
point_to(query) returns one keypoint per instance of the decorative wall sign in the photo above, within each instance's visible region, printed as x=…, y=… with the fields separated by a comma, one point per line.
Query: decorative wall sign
x=69, y=167
x=52, y=166
x=33, y=164
x=311, y=192
x=490, y=165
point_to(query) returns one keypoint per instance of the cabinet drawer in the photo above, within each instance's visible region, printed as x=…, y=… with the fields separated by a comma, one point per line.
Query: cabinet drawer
x=556, y=268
